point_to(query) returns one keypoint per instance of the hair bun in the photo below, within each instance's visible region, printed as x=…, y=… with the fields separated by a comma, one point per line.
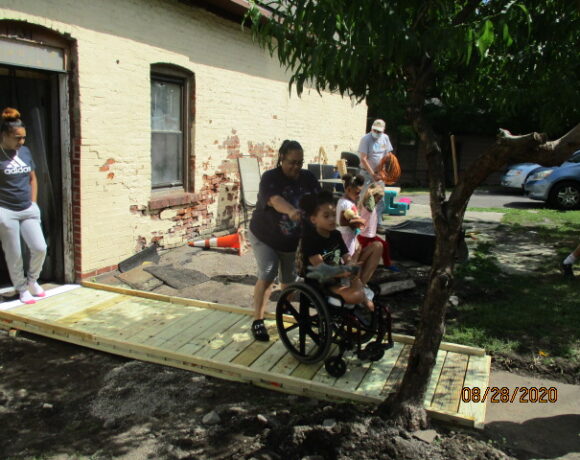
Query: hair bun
x=10, y=114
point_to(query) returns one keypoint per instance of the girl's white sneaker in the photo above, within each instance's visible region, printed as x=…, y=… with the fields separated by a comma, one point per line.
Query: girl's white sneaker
x=36, y=290
x=26, y=297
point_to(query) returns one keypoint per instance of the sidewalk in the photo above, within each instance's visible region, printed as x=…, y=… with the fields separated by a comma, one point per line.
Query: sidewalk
x=424, y=211
x=536, y=430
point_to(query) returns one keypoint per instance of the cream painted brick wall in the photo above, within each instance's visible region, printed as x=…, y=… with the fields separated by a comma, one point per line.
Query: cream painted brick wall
x=240, y=91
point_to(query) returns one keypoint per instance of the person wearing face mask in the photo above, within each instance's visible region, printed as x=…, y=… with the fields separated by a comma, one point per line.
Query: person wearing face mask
x=276, y=226
x=19, y=213
x=373, y=147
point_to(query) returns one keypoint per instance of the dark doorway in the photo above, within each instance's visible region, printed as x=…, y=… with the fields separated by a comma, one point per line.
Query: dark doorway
x=35, y=95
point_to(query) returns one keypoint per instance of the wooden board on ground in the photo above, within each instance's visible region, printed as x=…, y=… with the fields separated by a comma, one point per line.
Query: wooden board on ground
x=216, y=340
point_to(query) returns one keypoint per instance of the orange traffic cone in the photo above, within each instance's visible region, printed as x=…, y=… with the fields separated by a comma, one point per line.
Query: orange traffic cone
x=235, y=241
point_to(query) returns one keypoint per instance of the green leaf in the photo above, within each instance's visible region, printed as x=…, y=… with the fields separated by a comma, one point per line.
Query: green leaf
x=507, y=38
x=486, y=38
x=469, y=45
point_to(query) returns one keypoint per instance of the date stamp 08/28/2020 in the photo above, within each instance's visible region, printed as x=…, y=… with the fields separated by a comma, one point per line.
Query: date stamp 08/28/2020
x=503, y=395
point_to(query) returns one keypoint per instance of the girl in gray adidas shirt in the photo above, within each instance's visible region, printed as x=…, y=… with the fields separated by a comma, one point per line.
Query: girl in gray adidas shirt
x=19, y=213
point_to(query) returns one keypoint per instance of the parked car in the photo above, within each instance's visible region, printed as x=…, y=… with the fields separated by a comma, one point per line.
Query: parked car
x=516, y=175
x=559, y=186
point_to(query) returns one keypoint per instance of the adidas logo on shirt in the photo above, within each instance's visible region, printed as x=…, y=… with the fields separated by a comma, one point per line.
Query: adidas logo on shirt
x=17, y=166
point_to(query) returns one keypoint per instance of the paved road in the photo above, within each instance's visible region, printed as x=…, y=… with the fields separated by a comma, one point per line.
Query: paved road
x=496, y=198
x=547, y=430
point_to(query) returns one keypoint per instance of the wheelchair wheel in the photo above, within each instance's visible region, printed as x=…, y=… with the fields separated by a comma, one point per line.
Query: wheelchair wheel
x=307, y=334
x=335, y=366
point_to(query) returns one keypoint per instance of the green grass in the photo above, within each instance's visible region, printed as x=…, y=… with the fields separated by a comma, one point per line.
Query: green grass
x=535, y=217
x=537, y=316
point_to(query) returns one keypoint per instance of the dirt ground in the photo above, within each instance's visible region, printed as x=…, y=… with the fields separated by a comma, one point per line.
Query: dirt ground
x=60, y=401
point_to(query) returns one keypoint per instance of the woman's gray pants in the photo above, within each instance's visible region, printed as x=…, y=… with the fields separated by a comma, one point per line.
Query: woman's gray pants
x=13, y=224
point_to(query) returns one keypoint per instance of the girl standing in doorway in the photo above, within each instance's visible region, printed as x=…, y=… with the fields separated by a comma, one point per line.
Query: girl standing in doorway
x=19, y=213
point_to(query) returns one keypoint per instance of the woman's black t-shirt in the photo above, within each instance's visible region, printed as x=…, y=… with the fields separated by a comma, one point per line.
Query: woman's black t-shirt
x=268, y=225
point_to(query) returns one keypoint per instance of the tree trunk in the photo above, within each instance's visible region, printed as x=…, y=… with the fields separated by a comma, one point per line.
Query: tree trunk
x=406, y=406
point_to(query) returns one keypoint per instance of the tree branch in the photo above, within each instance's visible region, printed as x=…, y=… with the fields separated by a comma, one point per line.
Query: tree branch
x=509, y=149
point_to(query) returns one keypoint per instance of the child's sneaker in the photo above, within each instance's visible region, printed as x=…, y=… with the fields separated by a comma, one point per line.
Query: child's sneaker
x=36, y=290
x=567, y=271
x=26, y=297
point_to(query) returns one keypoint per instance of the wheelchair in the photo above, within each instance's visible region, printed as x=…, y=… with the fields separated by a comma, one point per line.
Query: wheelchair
x=311, y=319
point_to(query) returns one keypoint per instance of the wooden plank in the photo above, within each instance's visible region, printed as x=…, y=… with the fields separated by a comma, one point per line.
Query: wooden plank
x=286, y=365
x=195, y=330
x=209, y=332
x=80, y=315
x=251, y=353
x=477, y=375
x=355, y=373
x=212, y=305
x=142, y=315
x=447, y=346
x=174, y=321
x=225, y=338
x=126, y=291
x=113, y=321
x=239, y=342
x=374, y=380
x=441, y=355
x=270, y=357
x=396, y=375
x=448, y=390
x=176, y=300
x=110, y=322
x=175, y=327
x=306, y=371
x=191, y=327
x=159, y=321
x=63, y=304
x=256, y=348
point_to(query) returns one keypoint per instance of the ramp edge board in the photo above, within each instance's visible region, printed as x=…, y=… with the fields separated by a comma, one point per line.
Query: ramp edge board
x=406, y=339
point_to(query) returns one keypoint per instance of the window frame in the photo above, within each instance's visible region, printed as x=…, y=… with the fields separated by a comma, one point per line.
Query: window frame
x=173, y=74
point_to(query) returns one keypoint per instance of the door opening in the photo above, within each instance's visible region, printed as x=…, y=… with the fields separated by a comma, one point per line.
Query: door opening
x=36, y=96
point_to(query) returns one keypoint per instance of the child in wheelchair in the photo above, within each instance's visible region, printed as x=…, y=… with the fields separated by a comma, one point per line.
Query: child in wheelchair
x=322, y=243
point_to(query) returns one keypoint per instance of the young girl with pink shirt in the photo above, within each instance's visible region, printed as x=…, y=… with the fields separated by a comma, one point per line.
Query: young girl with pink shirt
x=368, y=235
x=350, y=223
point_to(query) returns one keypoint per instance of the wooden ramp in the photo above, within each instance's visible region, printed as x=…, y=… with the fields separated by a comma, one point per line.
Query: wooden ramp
x=215, y=339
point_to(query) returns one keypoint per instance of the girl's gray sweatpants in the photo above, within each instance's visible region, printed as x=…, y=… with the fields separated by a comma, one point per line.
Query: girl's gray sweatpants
x=13, y=224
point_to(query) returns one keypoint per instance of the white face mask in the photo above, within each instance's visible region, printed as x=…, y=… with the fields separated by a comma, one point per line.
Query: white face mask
x=375, y=135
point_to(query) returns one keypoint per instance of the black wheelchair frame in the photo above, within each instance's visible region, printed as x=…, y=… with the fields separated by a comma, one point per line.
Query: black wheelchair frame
x=310, y=320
